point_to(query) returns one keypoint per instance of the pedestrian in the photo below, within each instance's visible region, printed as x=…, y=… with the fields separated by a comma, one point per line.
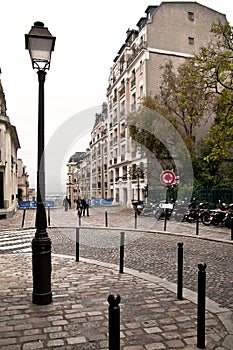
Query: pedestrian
x=87, y=207
x=66, y=203
x=84, y=206
x=79, y=206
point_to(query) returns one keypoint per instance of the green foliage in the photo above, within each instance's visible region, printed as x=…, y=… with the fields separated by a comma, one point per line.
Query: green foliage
x=202, y=87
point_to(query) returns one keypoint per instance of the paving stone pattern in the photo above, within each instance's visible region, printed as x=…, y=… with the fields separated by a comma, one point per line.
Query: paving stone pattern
x=151, y=317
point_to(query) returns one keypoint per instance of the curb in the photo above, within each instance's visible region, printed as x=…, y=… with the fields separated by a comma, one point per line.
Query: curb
x=224, y=314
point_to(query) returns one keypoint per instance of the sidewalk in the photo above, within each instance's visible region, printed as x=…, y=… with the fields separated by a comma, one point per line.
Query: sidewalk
x=118, y=218
x=151, y=316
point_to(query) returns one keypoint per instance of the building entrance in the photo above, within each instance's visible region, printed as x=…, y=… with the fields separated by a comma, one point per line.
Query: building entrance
x=1, y=191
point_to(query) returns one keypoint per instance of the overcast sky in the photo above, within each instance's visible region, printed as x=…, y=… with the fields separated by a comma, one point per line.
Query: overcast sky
x=88, y=37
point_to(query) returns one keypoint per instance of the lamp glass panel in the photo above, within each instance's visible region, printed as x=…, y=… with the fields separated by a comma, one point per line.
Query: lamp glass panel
x=40, y=49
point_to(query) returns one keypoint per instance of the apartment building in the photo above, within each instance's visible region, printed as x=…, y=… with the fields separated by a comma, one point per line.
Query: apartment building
x=73, y=190
x=23, y=184
x=170, y=31
x=9, y=145
x=99, y=146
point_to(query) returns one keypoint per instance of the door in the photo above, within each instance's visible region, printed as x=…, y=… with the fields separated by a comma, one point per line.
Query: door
x=1, y=190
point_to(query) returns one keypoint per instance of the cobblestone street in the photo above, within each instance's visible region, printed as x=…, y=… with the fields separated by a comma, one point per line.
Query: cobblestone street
x=147, y=249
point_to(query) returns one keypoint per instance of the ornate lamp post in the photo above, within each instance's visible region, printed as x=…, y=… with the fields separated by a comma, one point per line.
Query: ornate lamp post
x=40, y=44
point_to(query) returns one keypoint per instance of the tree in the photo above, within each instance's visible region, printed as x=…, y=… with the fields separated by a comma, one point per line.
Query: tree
x=216, y=65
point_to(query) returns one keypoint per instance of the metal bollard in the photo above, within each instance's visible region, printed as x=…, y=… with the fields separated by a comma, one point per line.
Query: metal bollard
x=79, y=217
x=24, y=213
x=114, y=322
x=136, y=219
x=232, y=227
x=48, y=215
x=77, y=244
x=106, y=218
x=201, y=306
x=122, y=247
x=180, y=271
x=197, y=224
x=165, y=220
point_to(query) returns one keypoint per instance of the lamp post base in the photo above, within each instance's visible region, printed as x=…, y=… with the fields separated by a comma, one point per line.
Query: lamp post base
x=41, y=266
x=42, y=299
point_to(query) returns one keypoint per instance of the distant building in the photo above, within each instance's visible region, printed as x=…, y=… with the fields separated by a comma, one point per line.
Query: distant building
x=73, y=177
x=9, y=145
x=23, y=184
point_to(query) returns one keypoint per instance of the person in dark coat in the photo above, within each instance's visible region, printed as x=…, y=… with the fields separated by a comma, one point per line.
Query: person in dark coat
x=79, y=206
x=84, y=206
x=66, y=203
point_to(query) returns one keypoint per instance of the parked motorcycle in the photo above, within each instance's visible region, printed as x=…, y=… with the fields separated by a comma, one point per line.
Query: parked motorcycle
x=148, y=209
x=160, y=212
x=220, y=216
x=228, y=219
x=138, y=206
x=205, y=217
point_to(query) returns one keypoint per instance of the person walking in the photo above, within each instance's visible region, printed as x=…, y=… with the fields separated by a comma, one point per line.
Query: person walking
x=79, y=206
x=84, y=206
x=66, y=203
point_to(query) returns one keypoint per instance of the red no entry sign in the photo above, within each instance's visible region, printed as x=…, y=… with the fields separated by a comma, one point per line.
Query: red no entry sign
x=167, y=177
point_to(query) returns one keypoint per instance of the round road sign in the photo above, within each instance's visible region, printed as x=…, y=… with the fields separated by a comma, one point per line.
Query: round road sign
x=167, y=177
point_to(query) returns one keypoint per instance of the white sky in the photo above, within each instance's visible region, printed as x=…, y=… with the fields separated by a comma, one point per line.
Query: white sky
x=88, y=37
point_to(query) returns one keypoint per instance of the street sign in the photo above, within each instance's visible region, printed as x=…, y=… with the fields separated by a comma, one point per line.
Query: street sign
x=167, y=177
x=166, y=205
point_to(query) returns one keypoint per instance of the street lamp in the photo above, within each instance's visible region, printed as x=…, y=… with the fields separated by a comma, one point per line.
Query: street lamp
x=40, y=44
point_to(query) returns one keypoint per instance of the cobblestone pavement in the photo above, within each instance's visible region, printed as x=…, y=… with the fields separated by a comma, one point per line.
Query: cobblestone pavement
x=152, y=318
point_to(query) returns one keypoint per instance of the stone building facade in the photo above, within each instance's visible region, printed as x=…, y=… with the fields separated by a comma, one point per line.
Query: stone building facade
x=9, y=145
x=23, y=184
x=171, y=31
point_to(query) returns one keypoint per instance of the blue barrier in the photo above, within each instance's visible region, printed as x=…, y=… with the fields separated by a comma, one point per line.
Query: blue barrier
x=100, y=201
x=32, y=204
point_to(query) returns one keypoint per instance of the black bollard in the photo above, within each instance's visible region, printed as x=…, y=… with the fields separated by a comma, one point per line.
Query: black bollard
x=48, y=215
x=136, y=219
x=24, y=213
x=77, y=244
x=232, y=227
x=114, y=322
x=79, y=217
x=106, y=218
x=197, y=224
x=201, y=306
x=180, y=272
x=122, y=247
x=165, y=220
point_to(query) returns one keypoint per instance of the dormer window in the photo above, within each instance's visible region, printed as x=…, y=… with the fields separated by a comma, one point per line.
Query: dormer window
x=191, y=16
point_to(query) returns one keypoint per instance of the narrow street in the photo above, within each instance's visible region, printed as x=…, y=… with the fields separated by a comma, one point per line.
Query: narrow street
x=147, y=249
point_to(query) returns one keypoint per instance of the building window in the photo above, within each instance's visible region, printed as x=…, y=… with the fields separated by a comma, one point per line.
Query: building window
x=191, y=16
x=133, y=78
x=141, y=91
x=133, y=102
x=141, y=67
x=191, y=40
